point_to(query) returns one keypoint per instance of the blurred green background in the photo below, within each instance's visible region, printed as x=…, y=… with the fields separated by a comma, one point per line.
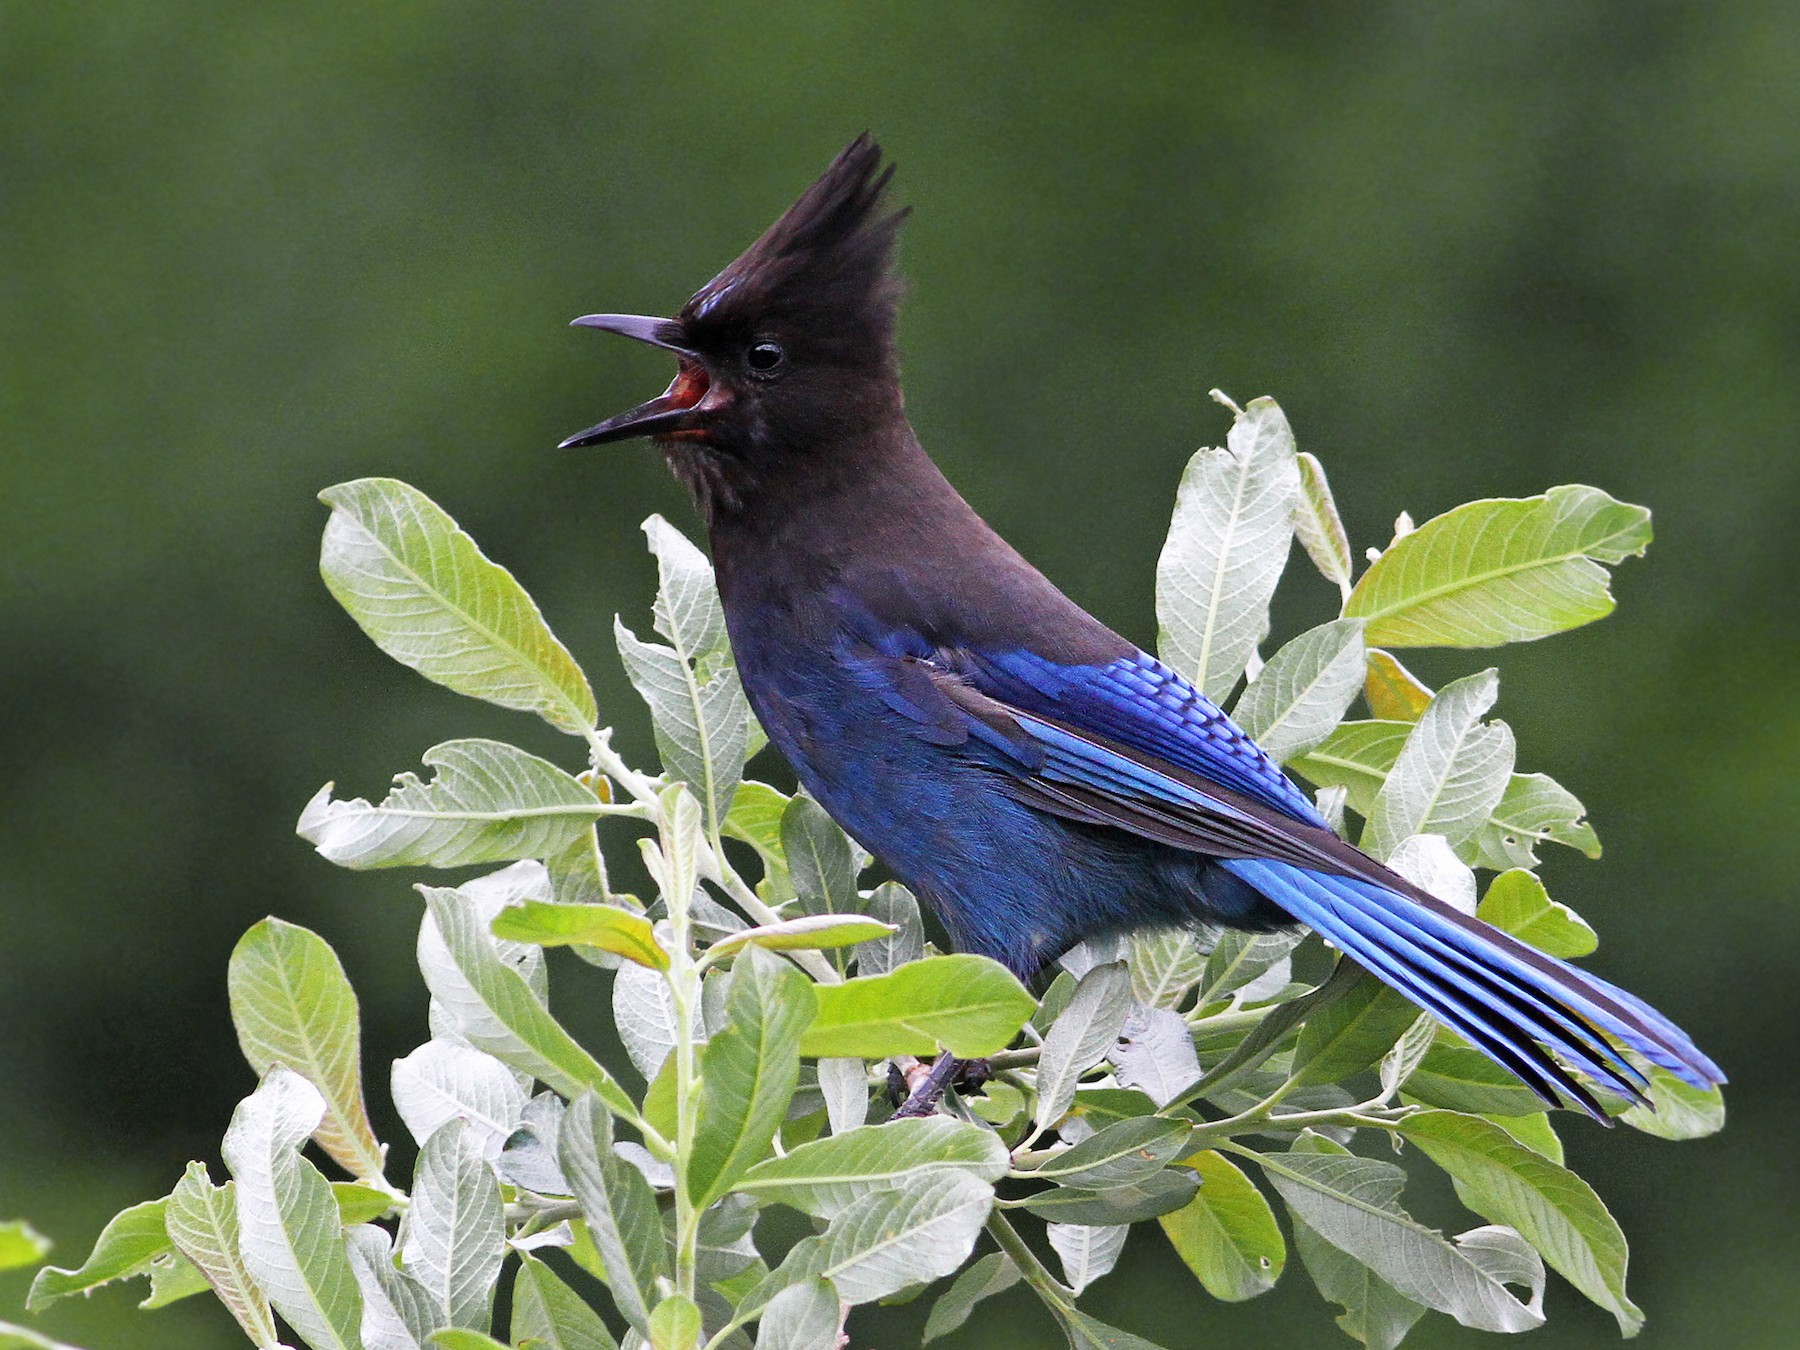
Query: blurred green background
x=250, y=250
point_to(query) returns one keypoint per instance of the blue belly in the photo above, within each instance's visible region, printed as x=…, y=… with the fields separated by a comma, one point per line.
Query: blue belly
x=1006, y=879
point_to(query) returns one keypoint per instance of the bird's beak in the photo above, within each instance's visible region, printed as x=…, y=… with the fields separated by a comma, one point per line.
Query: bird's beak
x=671, y=411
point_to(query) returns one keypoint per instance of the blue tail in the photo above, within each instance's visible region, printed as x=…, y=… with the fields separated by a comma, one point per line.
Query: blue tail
x=1507, y=999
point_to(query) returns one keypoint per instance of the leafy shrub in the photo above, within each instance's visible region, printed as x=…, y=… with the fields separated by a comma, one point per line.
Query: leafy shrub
x=1160, y=1078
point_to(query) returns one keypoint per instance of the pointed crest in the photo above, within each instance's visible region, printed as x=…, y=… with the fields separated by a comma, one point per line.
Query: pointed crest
x=825, y=265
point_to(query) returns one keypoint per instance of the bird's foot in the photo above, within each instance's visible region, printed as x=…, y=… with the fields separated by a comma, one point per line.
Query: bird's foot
x=925, y=1086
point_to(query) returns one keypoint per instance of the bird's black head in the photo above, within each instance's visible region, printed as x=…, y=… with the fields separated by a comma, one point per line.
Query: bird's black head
x=786, y=354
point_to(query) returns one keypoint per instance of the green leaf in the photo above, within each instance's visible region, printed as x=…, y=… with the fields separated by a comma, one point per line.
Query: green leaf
x=1300, y=696
x=607, y=927
x=659, y=1101
x=1318, y=526
x=202, y=1222
x=1517, y=903
x=578, y=873
x=1227, y=1234
x=546, y=1310
x=1121, y=1154
x=1392, y=691
x=293, y=1006
x=1165, y=964
x=1356, y=757
x=991, y=1274
x=172, y=1278
x=1535, y=808
x=360, y=1204
x=1103, y=1106
x=442, y=1081
x=969, y=1005
x=814, y=931
x=1535, y=1132
x=131, y=1240
x=289, y=1232
x=490, y=802
x=1354, y=1204
x=1400, y=1063
x=889, y=1239
x=1463, y=1079
x=1134, y=1202
x=1450, y=774
x=15, y=1337
x=1239, y=958
x=1090, y=1333
x=1678, y=1110
x=755, y=818
x=675, y=1324
x=619, y=1207
x=821, y=862
x=429, y=598
x=493, y=1006
x=748, y=1072
x=21, y=1245
x=891, y=903
x=1352, y=1033
x=723, y=1242
x=825, y=1177
x=1555, y=1210
x=1080, y=1038
x=1375, y=1313
x=1227, y=546
x=461, y=1338
x=1087, y=1251
x=454, y=1237
x=1500, y=570
x=803, y=1316
x=1267, y=1036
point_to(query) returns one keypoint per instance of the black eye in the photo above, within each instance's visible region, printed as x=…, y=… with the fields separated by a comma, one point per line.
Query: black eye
x=765, y=358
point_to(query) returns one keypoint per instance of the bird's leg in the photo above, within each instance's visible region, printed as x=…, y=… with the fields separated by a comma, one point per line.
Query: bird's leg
x=916, y=1090
x=973, y=1074
x=930, y=1091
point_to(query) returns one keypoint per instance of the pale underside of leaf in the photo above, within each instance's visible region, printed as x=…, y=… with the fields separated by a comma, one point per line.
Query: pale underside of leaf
x=1227, y=546
x=489, y=802
x=1303, y=691
x=290, y=1233
x=1451, y=772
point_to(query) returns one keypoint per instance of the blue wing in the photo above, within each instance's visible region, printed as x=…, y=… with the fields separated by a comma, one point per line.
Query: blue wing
x=1133, y=746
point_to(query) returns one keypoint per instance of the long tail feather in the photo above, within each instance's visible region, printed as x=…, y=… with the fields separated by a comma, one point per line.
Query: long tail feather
x=1510, y=1001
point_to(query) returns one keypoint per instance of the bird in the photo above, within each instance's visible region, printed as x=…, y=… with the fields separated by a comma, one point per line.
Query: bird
x=1034, y=777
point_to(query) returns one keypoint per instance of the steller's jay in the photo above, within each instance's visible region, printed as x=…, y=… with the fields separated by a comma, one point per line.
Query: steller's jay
x=1029, y=773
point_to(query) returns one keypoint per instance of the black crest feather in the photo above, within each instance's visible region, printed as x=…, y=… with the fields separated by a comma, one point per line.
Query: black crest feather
x=825, y=267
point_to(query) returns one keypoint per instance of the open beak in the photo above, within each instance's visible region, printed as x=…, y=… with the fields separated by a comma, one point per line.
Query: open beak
x=672, y=411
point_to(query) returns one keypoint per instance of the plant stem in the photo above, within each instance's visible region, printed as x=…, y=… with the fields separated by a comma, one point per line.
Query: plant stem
x=1058, y=1296
x=608, y=761
x=687, y=1115
x=683, y=976
x=752, y=904
x=1015, y=1059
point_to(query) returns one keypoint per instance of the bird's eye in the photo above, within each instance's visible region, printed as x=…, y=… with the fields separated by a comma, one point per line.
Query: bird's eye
x=765, y=358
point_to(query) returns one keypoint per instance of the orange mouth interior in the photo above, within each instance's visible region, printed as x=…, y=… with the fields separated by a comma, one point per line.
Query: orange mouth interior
x=689, y=386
